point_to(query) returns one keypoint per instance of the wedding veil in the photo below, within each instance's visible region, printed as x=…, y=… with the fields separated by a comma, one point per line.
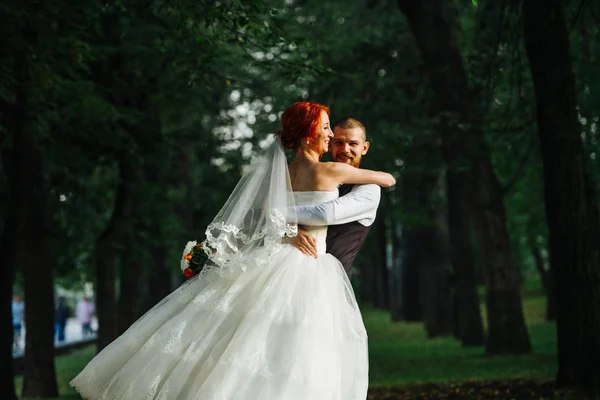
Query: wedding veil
x=248, y=230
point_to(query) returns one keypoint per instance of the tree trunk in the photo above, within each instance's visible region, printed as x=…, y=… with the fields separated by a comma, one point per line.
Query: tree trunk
x=108, y=247
x=436, y=297
x=25, y=241
x=551, y=296
x=366, y=281
x=15, y=168
x=158, y=273
x=468, y=322
x=39, y=376
x=396, y=274
x=506, y=324
x=439, y=49
x=406, y=270
x=129, y=270
x=570, y=198
x=8, y=244
x=380, y=289
x=420, y=181
x=159, y=284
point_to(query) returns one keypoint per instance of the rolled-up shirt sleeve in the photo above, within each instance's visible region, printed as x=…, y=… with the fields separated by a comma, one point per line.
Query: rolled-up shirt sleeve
x=358, y=205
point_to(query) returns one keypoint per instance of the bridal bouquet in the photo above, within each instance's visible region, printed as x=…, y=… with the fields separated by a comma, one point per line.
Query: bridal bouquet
x=193, y=259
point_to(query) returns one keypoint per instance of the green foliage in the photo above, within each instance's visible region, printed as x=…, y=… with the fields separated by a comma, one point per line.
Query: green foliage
x=201, y=83
x=144, y=81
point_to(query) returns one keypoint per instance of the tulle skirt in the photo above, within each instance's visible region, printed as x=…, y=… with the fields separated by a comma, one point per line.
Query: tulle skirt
x=289, y=330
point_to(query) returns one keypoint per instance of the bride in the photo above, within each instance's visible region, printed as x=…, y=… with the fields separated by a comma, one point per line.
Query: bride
x=262, y=321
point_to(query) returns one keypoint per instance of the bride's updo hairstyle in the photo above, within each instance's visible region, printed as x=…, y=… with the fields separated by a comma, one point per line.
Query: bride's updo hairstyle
x=299, y=122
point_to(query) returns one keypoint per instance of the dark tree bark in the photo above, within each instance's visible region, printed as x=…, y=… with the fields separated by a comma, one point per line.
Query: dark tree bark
x=366, y=280
x=8, y=242
x=128, y=284
x=158, y=273
x=421, y=266
x=407, y=298
x=26, y=223
x=396, y=273
x=407, y=304
x=13, y=118
x=468, y=322
x=550, y=295
x=108, y=247
x=570, y=198
x=39, y=375
x=380, y=282
x=436, y=40
x=159, y=276
x=434, y=276
x=506, y=325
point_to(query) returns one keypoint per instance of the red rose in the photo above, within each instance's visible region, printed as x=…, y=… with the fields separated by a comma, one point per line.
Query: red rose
x=188, y=273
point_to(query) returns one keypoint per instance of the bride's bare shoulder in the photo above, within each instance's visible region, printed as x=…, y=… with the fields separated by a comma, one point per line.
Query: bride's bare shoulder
x=332, y=167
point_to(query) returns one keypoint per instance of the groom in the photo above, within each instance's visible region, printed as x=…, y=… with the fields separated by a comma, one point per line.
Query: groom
x=351, y=215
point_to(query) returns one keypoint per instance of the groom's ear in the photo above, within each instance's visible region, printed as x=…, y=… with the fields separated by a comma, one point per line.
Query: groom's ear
x=366, y=146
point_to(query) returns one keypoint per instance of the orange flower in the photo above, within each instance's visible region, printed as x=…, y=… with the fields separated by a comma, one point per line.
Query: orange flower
x=188, y=256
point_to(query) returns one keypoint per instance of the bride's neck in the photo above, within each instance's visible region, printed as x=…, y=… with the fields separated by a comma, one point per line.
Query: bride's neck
x=307, y=154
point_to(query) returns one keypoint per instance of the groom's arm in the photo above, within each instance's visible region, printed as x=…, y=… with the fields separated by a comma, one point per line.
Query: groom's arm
x=358, y=205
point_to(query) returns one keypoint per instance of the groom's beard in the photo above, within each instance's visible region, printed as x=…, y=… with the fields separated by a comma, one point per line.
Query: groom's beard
x=347, y=159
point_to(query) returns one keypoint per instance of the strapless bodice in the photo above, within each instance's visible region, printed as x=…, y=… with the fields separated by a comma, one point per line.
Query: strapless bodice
x=316, y=197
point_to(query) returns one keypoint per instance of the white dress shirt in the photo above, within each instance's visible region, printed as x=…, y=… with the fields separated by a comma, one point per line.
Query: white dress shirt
x=358, y=205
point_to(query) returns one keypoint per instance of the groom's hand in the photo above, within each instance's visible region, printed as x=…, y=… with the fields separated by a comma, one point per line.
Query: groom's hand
x=305, y=243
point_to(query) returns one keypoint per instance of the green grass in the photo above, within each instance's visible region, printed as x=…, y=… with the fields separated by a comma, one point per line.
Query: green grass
x=401, y=354
x=67, y=367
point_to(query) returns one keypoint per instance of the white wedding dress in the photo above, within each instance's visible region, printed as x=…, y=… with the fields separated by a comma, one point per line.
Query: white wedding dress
x=290, y=330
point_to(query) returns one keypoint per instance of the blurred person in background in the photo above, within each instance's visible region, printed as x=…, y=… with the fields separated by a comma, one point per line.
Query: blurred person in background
x=85, y=311
x=18, y=313
x=60, y=318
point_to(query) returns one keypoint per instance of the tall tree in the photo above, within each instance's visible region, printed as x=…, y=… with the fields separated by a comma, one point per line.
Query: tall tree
x=570, y=195
x=381, y=288
x=434, y=272
x=424, y=263
x=108, y=248
x=39, y=377
x=406, y=291
x=469, y=326
x=15, y=166
x=130, y=264
x=434, y=29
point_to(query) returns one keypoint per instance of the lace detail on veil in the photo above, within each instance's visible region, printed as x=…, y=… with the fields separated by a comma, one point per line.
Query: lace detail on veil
x=277, y=217
x=248, y=230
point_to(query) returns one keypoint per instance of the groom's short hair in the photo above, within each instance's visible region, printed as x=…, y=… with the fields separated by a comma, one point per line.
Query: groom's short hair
x=351, y=123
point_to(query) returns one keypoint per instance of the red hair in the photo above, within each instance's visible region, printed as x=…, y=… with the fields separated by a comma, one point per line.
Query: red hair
x=300, y=121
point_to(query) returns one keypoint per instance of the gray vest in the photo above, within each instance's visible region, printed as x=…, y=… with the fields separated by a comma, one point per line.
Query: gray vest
x=344, y=241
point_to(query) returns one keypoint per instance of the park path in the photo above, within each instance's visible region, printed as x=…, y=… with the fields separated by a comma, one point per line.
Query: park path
x=72, y=335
